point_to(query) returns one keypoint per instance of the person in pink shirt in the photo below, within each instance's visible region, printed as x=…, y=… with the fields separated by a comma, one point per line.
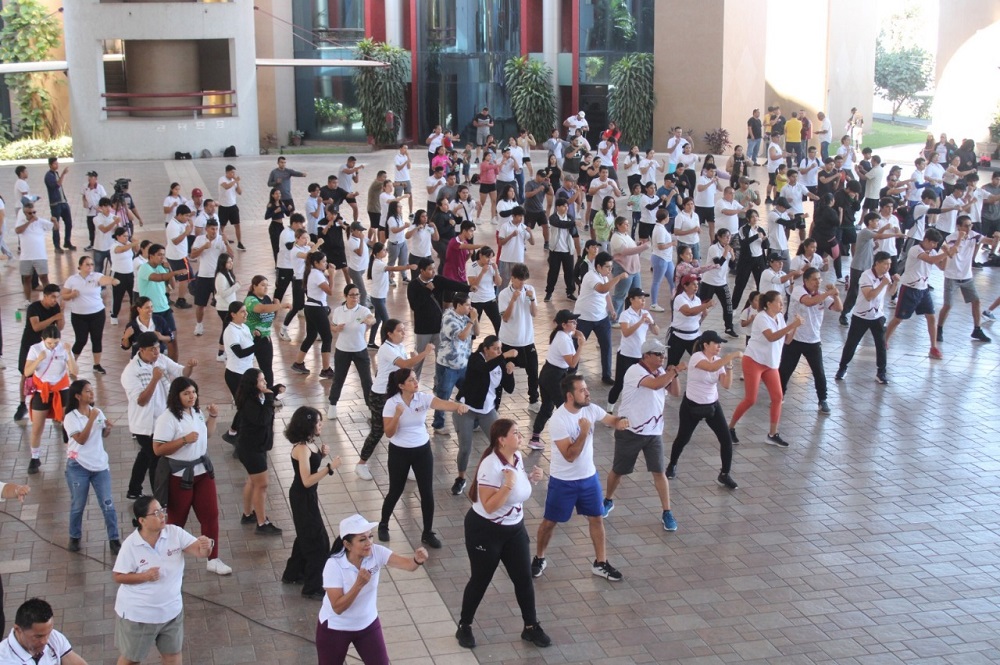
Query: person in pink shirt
x=457, y=254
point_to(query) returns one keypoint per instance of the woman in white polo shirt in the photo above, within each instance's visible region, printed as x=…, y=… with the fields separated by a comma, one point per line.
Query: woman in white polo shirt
x=405, y=422
x=318, y=281
x=686, y=324
x=636, y=322
x=181, y=437
x=149, y=607
x=350, y=608
x=87, y=464
x=768, y=334
x=351, y=322
x=82, y=295
x=494, y=531
x=706, y=371
x=714, y=282
x=562, y=357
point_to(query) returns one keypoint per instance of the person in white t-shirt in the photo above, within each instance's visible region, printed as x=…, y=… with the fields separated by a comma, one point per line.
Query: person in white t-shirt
x=645, y=385
x=401, y=177
x=34, y=638
x=675, y=148
x=706, y=371
x=596, y=309
x=518, y=307
x=809, y=302
x=357, y=258
x=636, y=323
x=351, y=322
x=869, y=314
x=768, y=335
x=796, y=192
x=349, y=615
x=179, y=227
x=914, y=296
x=573, y=478
x=207, y=248
x=561, y=358
x=82, y=295
x=958, y=273
x=31, y=232
x=512, y=237
x=149, y=606
x=229, y=211
x=87, y=464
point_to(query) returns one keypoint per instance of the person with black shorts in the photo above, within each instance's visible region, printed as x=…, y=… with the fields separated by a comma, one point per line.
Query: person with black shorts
x=40, y=314
x=535, y=191
x=229, y=212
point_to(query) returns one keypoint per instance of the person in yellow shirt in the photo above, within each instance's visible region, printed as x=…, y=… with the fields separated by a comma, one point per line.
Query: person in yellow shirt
x=793, y=137
x=781, y=178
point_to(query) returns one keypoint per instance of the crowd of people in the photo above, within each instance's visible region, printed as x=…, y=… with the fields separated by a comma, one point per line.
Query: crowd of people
x=473, y=310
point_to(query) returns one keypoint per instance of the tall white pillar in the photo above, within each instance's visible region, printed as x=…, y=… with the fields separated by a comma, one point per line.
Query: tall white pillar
x=394, y=22
x=551, y=27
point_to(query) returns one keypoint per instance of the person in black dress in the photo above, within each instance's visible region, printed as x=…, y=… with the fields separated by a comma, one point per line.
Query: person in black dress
x=312, y=543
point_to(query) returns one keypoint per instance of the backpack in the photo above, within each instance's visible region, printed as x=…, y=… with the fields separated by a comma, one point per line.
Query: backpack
x=580, y=270
x=229, y=152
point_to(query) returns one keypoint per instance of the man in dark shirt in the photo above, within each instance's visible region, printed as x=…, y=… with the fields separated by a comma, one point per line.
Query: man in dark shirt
x=58, y=204
x=282, y=179
x=535, y=191
x=755, y=133
x=447, y=227
x=40, y=314
x=426, y=309
x=334, y=194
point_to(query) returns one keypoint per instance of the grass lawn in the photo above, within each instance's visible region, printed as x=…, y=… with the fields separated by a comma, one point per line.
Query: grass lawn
x=881, y=134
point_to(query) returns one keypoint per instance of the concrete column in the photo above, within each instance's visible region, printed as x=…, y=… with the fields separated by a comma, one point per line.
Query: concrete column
x=157, y=66
x=967, y=74
x=850, y=62
x=394, y=22
x=551, y=33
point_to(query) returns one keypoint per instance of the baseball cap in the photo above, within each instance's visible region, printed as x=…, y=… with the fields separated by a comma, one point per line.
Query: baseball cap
x=635, y=292
x=711, y=336
x=771, y=258
x=690, y=279
x=196, y=193
x=581, y=114
x=653, y=345
x=565, y=316
x=354, y=525
x=358, y=226
x=781, y=201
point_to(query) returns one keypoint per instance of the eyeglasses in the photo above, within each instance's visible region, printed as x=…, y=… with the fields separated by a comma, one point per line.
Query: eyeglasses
x=159, y=512
x=654, y=353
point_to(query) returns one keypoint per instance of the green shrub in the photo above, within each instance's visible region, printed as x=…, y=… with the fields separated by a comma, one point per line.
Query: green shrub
x=37, y=149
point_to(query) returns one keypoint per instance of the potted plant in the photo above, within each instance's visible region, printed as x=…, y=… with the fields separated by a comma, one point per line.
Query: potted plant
x=295, y=137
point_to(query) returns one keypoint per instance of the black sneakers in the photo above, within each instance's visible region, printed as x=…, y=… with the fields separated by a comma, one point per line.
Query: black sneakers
x=267, y=529
x=34, y=465
x=726, y=481
x=538, y=566
x=465, y=638
x=732, y=435
x=115, y=546
x=607, y=571
x=536, y=636
x=431, y=540
x=383, y=533
x=249, y=519
x=458, y=487
x=979, y=335
x=776, y=440
x=21, y=411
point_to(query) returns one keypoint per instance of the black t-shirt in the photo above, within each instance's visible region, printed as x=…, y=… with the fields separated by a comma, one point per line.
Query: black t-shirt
x=443, y=221
x=485, y=119
x=755, y=127
x=778, y=127
x=29, y=337
x=334, y=195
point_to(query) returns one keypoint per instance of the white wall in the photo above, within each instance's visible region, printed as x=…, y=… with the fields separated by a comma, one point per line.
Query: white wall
x=96, y=137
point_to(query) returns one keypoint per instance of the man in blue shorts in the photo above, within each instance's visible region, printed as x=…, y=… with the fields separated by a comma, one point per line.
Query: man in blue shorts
x=573, y=481
x=914, y=296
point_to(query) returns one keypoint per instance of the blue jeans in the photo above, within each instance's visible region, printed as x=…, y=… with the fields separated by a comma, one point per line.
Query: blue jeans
x=519, y=179
x=446, y=380
x=695, y=249
x=79, y=480
x=621, y=289
x=824, y=149
x=661, y=269
x=753, y=147
x=100, y=257
x=603, y=330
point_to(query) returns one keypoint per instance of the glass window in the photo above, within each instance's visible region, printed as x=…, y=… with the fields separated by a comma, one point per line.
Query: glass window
x=338, y=22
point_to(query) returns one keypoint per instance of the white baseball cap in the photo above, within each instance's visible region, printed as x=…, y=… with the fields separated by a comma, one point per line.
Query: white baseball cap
x=581, y=114
x=355, y=524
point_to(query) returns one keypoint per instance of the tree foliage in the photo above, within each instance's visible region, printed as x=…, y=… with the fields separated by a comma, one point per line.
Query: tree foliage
x=901, y=74
x=630, y=98
x=29, y=33
x=529, y=84
x=381, y=89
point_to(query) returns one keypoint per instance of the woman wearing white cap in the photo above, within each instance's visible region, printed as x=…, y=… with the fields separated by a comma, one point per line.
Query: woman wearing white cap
x=350, y=612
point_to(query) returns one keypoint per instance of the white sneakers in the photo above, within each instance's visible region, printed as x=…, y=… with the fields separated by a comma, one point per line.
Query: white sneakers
x=114, y=320
x=656, y=308
x=283, y=335
x=331, y=412
x=199, y=329
x=216, y=566
x=364, y=473
x=535, y=407
x=221, y=357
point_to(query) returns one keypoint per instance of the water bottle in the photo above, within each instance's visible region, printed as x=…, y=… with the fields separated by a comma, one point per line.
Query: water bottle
x=17, y=316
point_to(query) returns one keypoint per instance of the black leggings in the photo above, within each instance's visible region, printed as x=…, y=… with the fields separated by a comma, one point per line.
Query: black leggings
x=421, y=459
x=126, y=282
x=492, y=312
x=375, y=402
x=145, y=462
x=527, y=359
x=622, y=363
x=298, y=302
x=488, y=544
x=285, y=277
x=791, y=353
x=689, y=421
x=549, y=380
x=317, y=323
x=746, y=266
x=677, y=346
x=263, y=351
x=705, y=293
x=224, y=316
x=233, y=383
x=88, y=325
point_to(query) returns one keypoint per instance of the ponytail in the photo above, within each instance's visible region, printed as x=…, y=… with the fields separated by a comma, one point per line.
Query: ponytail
x=500, y=428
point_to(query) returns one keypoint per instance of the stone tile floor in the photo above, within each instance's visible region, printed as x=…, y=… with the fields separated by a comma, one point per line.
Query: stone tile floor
x=872, y=539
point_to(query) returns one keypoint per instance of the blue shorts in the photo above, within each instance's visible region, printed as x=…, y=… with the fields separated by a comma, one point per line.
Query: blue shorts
x=585, y=495
x=912, y=301
x=165, y=323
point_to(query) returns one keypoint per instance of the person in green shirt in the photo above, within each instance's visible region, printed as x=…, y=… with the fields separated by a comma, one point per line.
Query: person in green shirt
x=261, y=312
x=603, y=221
x=152, y=283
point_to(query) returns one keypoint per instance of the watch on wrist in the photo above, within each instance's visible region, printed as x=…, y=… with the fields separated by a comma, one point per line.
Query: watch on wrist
x=329, y=469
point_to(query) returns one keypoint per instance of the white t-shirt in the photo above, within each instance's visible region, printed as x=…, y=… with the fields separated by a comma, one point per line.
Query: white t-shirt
x=771, y=281
x=675, y=146
x=380, y=279
x=54, y=366
x=810, y=178
x=686, y=222
x=775, y=231
x=800, y=262
x=402, y=172
x=176, y=251
x=702, y=386
x=490, y=474
x=651, y=166
x=914, y=192
x=227, y=197
x=641, y=405
x=434, y=186
x=705, y=198
x=89, y=454
x=159, y=601
x=592, y=305
x=103, y=239
x=208, y=260
x=729, y=222
x=32, y=240
x=661, y=236
x=648, y=215
x=795, y=194
x=887, y=245
x=169, y=428
x=121, y=262
x=55, y=650
x=873, y=182
x=239, y=335
x=507, y=168
x=396, y=236
x=89, y=301
x=21, y=189
x=284, y=259
x=412, y=431
x=562, y=345
x=519, y=330
x=631, y=346
x=386, y=365
x=420, y=241
x=946, y=220
x=917, y=272
x=485, y=292
x=358, y=263
x=765, y=352
x=686, y=327
x=566, y=425
x=172, y=202
x=352, y=338
x=316, y=277
x=812, y=316
x=960, y=265
x=135, y=377
x=847, y=152
x=513, y=251
x=870, y=310
x=716, y=277
x=773, y=164
x=339, y=573
x=436, y=141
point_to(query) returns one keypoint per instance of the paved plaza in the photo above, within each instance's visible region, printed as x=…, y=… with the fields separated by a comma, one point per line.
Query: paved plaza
x=872, y=539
